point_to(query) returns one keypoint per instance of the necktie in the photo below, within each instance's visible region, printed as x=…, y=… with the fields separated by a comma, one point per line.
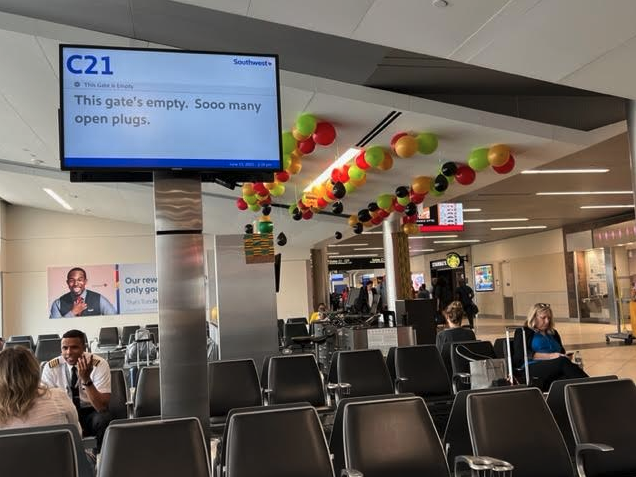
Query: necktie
x=74, y=387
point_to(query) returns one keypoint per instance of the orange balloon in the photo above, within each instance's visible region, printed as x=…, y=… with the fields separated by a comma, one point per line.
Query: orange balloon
x=410, y=229
x=264, y=218
x=269, y=185
x=360, y=182
x=406, y=146
x=353, y=219
x=295, y=154
x=498, y=155
x=297, y=135
x=248, y=189
x=421, y=184
x=295, y=167
x=387, y=162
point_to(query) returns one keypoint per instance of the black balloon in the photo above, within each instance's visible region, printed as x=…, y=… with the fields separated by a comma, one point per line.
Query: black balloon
x=249, y=229
x=364, y=215
x=449, y=169
x=441, y=183
x=267, y=209
x=410, y=209
x=373, y=207
x=339, y=190
x=297, y=215
x=357, y=228
x=402, y=191
x=281, y=239
x=337, y=207
x=338, y=235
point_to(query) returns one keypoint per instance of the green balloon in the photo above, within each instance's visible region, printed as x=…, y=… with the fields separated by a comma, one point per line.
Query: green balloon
x=292, y=209
x=349, y=187
x=265, y=227
x=254, y=207
x=435, y=193
x=426, y=143
x=278, y=190
x=286, y=161
x=250, y=199
x=356, y=173
x=403, y=200
x=289, y=143
x=306, y=124
x=478, y=159
x=384, y=201
x=374, y=156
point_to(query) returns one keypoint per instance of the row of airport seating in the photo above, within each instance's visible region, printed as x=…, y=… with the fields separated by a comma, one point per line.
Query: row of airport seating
x=508, y=430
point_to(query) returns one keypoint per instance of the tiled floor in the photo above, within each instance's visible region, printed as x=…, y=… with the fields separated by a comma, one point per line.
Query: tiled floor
x=599, y=358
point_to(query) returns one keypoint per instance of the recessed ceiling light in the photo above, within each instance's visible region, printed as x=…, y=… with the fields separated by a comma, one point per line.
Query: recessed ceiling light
x=458, y=241
x=341, y=161
x=622, y=206
x=472, y=210
x=348, y=245
x=434, y=236
x=369, y=248
x=520, y=227
x=565, y=171
x=598, y=192
x=57, y=199
x=371, y=233
x=424, y=250
x=513, y=219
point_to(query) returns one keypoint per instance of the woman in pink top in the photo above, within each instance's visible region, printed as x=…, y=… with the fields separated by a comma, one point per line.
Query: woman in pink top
x=24, y=401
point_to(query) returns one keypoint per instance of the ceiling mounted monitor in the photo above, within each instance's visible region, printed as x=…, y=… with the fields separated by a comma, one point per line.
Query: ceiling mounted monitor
x=441, y=218
x=130, y=109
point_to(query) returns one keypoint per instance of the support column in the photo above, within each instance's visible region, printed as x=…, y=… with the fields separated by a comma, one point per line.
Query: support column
x=397, y=262
x=319, y=278
x=612, y=291
x=630, y=106
x=180, y=274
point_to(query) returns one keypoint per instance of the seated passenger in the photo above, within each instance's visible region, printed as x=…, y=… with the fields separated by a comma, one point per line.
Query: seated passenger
x=320, y=314
x=454, y=314
x=547, y=359
x=86, y=378
x=24, y=401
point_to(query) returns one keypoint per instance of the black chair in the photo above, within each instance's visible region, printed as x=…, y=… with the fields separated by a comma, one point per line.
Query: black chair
x=281, y=443
x=127, y=332
x=21, y=338
x=446, y=357
x=517, y=426
x=38, y=452
x=118, y=405
x=296, y=330
x=47, y=349
x=85, y=467
x=161, y=448
x=556, y=402
x=360, y=373
x=48, y=337
x=420, y=370
x=108, y=337
x=600, y=422
x=302, y=320
x=336, y=439
x=295, y=378
x=232, y=384
x=147, y=393
x=461, y=365
x=154, y=330
x=393, y=437
x=24, y=343
x=499, y=346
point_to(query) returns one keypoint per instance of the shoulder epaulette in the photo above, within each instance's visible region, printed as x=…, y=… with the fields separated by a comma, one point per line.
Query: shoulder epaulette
x=95, y=361
x=54, y=363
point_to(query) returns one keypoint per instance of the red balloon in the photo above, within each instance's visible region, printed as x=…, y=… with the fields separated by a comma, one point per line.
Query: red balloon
x=260, y=188
x=330, y=194
x=383, y=213
x=465, y=175
x=507, y=167
x=265, y=201
x=335, y=175
x=301, y=206
x=324, y=134
x=360, y=162
x=282, y=176
x=322, y=203
x=307, y=146
x=398, y=208
x=395, y=138
x=241, y=204
x=344, y=174
x=377, y=220
x=411, y=219
x=417, y=198
x=308, y=214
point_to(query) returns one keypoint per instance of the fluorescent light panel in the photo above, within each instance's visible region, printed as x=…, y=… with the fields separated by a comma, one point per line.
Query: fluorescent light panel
x=326, y=174
x=566, y=171
x=424, y=250
x=361, y=255
x=597, y=192
x=369, y=248
x=433, y=236
x=458, y=241
x=371, y=233
x=520, y=227
x=472, y=210
x=348, y=245
x=513, y=219
x=623, y=206
x=57, y=199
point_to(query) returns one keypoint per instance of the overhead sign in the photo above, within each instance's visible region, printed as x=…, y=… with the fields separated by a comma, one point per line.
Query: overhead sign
x=361, y=263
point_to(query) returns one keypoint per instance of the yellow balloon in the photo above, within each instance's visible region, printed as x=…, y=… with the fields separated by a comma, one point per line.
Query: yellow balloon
x=269, y=185
x=264, y=218
x=295, y=167
x=353, y=219
x=295, y=155
x=406, y=146
x=360, y=182
x=498, y=155
x=297, y=135
x=387, y=162
x=421, y=184
x=247, y=189
x=410, y=229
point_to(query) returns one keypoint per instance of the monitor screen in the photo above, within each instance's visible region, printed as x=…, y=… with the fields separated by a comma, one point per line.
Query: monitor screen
x=150, y=109
x=440, y=218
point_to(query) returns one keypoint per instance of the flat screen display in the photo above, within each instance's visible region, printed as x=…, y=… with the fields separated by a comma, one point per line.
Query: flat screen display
x=148, y=109
x=484, y=278
x=441, y=218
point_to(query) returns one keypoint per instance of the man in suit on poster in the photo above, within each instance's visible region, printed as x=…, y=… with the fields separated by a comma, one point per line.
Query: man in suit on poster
x=79, y=301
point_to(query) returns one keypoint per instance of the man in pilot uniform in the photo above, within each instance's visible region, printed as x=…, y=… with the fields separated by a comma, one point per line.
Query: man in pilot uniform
x=86, y=379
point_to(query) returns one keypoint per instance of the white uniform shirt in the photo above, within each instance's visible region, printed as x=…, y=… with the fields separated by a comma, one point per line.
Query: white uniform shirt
x=57, y=374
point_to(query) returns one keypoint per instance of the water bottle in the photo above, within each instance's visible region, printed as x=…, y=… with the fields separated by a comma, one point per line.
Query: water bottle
x=578, y=359
x=381, y=321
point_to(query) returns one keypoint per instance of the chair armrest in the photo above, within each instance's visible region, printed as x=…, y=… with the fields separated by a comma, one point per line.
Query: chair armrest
x=351, y=473
x=266, y=393
x=482, y=463
x=398, y=384
x=463, y=378
x=587, y=447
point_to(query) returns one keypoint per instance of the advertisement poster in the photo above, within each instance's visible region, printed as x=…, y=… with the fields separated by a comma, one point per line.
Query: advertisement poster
x=484, y=280
x=94, y=290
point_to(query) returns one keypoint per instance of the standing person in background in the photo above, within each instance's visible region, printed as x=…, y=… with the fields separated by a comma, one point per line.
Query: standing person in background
x=366, y=298
x=423, y=293
x=381, y=288
x=345, y=297
x=443, y=297
x=465, y=294
x=79, y=301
